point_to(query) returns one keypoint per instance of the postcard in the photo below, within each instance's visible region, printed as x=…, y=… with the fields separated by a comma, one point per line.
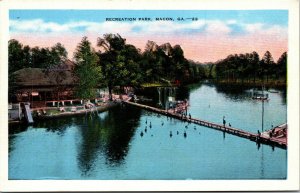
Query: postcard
x=154, y=96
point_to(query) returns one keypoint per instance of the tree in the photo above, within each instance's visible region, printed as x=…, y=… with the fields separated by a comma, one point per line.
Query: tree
x=86, y=71
x=151, y=46
x=254, y=64
x=40, y=57
x=178, y=61
x=132, y=59
x=149, y=58
x=268, y=64
x=282, y=66
x=58, y=53
x=119, y=62
x=17, y=56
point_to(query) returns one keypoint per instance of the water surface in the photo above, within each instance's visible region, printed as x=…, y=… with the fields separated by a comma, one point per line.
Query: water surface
x=120, y=144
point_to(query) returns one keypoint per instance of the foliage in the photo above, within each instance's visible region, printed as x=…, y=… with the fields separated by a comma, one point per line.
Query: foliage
x=248, y=67
x=167, y=62
x=119, y=62
x=86, y=71
x=20, y=56
x=282, y=66
x=16, y=56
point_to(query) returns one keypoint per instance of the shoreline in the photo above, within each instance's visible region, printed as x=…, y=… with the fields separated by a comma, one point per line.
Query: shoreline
x=101, y=108
x=271, y=84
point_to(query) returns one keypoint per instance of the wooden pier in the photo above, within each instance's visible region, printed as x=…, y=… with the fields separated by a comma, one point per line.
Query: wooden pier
x=234, y=131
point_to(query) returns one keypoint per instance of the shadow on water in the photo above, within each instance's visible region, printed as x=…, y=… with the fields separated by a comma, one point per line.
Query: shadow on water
x=238, y=92
x=235, y=92
x=13, y=130
x=16, y=128
x=110, y=135
x=57, y=126
x=160, y=95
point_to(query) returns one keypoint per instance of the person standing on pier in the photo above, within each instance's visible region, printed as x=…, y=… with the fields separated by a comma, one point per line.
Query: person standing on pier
x=224, y=121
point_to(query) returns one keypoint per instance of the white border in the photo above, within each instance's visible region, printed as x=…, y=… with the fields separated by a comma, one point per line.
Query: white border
x=292, y=182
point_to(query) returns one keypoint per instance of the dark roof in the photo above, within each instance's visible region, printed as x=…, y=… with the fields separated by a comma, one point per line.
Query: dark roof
x=41, y=77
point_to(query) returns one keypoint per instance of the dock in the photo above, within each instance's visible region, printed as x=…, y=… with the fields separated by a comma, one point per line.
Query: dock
x=259, y=138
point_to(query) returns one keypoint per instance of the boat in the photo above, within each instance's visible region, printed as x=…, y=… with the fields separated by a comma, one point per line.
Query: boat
x=260, y=98
x=273, y=91
x=259, y=95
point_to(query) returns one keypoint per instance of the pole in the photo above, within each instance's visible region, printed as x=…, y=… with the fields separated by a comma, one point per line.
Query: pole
x=262, y=120
x=263, y=109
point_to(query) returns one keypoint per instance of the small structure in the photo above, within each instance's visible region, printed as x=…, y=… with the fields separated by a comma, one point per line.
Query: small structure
x=36, y=85
x=14, y=112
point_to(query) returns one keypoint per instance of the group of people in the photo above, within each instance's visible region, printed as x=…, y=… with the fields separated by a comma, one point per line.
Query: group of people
x=180, y=106
x=277, y=132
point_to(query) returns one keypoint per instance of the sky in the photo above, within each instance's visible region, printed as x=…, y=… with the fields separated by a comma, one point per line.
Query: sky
x=204, y=35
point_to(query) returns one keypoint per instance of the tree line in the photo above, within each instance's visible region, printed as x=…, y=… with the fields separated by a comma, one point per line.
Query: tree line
x=250, y=68
x=117, y=63
x=20, y=56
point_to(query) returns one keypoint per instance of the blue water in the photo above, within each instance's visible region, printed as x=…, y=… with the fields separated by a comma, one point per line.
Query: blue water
x=208, y=104
x=110, y=146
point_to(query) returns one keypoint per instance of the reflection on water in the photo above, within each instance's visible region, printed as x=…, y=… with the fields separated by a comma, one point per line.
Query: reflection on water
x=108, y=134
x=129, y=143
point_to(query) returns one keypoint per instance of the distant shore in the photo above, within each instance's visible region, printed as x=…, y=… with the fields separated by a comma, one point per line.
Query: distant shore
x=272, y=83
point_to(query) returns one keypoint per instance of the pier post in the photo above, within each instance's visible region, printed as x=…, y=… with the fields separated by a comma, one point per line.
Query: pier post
x=71, y=102
x=53, y=103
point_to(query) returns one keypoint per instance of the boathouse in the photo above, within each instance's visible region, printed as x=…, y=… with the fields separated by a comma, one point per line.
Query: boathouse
x=36, y=85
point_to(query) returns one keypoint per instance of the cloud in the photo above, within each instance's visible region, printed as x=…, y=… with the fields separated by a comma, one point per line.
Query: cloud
x=255, y=27
x=202, y=40
x=36, y=25
x=151, y=27
x=213, y=27
x=217, y=27
x=232, y=21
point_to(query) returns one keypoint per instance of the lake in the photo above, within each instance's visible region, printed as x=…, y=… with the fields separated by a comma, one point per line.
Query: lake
x=120, y=144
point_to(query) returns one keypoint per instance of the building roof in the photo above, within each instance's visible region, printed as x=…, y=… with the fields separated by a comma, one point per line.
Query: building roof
x=41, y=77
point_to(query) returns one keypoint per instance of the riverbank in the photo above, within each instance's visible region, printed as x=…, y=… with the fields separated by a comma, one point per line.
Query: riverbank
x=55, y=112
x=45, y=112
x=75, y=110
